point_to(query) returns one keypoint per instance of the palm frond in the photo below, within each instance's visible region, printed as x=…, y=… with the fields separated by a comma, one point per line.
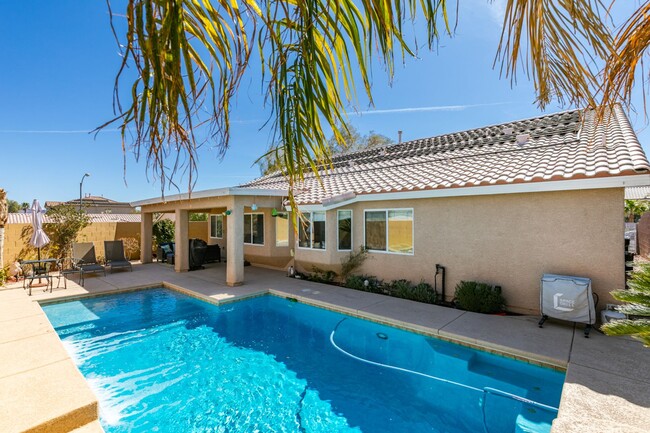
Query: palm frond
x=630, y=46
x=639, y=329
x=190, y=57
x=565, y=39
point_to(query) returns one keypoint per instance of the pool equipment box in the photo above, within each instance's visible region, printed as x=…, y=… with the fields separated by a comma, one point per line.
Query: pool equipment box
x=567, y=298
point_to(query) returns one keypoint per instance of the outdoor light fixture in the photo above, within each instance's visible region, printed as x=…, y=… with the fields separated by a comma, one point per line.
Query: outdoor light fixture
x=227, y=212
x=80, y=187
x=253, y=207
x=274, y=213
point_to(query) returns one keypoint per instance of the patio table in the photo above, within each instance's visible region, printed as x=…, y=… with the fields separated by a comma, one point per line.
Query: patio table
x=40, y=270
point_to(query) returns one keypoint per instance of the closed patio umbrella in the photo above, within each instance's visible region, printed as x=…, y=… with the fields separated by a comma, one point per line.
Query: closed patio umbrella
x=39, y=238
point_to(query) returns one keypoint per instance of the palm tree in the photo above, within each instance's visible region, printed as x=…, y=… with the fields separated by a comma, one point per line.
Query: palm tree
x=3, y=221
x=634, y=209
x=637, y=299
x=190, y=57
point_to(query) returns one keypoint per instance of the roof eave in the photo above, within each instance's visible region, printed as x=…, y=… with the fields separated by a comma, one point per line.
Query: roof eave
x=210, y=193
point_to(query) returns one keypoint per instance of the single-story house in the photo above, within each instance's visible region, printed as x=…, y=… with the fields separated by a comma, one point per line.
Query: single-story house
x=501, y=204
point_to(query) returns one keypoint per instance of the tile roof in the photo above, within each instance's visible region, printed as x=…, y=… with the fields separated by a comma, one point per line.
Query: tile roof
x=26, y=218
x=637, y=193
x=561, y=146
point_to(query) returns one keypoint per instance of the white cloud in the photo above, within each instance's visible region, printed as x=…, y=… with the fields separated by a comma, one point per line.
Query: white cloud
x=422, y=109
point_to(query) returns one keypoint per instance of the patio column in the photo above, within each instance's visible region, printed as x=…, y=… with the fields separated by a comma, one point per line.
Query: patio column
x=181, y=238
x=235, y=245
x=146, y=226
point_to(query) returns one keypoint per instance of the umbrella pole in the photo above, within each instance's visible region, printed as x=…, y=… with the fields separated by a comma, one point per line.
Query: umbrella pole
x=39, y=259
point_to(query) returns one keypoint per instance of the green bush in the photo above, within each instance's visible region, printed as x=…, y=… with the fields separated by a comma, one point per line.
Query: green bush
x=399, y=288
x=319, y=275
x=421, y=292
x=479, y=297
x=163, y=231
x=358, y=282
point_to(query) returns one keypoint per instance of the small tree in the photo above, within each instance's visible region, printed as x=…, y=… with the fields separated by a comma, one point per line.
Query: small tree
x=637, y=303
x=163, y=231
x=13, y=206
x=67, y=223
x=198, y=216
x=634, y=209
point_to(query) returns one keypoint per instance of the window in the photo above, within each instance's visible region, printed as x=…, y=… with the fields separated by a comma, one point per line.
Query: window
x=312, y=230
x=216, y=226
x=344, y=218
x=389, y=230
x=254, y=228
x=282, y=230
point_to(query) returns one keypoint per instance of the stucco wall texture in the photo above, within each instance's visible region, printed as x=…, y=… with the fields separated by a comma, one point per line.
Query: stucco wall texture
x=508, y=240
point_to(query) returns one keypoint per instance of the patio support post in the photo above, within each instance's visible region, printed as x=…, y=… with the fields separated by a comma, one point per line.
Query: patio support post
x=146, y=226
x=181, y=246
x=235, y=245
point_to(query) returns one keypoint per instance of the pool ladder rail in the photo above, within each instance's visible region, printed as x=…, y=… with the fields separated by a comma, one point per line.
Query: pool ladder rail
x=485, y=390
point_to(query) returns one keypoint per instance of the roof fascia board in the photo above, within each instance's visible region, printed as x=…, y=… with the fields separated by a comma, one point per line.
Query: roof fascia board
x=517, y=188
x=208, y=193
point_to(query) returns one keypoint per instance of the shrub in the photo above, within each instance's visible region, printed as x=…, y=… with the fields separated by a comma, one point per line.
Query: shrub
x=352, y=262
x=358, y=282
x=131, y=247
x=399, y=288
x=163, y=231
x=421, y=292
x=319, y=275
x=479, y=297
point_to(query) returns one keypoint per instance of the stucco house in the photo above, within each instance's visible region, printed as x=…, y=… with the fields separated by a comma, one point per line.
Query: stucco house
x=502, y=204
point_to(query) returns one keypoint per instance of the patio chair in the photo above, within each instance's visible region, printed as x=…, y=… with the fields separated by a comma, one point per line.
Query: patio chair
x=83, y=257
x=115, y=257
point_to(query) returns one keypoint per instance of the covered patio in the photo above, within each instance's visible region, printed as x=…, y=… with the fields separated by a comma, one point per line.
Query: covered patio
x=229, y=226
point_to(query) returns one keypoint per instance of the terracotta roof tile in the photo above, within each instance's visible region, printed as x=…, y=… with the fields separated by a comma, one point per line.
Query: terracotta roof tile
x=559, y=146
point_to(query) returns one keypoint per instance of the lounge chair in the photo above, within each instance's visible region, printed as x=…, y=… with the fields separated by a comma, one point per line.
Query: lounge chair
x=115, y=257
x=66, y=267
x=83, y=257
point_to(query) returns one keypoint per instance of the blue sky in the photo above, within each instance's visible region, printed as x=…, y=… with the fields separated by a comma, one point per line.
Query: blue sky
x=60, y=61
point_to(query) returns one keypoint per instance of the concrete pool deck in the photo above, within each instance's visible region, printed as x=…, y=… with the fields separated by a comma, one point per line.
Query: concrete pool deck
x=607, y=386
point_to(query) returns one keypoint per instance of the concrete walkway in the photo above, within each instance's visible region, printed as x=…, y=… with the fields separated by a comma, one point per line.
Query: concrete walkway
x=607, y=386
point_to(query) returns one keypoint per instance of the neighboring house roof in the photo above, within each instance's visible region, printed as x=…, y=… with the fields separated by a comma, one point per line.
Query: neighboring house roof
x=637, y=193
x=91, y=201
x=26, y=218
x=562, y=146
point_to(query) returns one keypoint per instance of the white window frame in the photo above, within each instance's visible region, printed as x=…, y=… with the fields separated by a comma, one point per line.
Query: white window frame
x=276, y=231
x=263, y=226
x=351, y=229
x=412, y=253
x=210, y=226
x=311, y=231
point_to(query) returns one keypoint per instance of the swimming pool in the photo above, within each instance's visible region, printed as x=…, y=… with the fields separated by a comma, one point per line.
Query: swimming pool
x=162, y=361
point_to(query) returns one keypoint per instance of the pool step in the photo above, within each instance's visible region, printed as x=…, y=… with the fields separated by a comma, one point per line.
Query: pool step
x=448, y=356
x=93, y=427
x=532, y=420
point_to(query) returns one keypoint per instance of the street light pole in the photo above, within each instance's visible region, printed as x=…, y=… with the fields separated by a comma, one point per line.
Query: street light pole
x=81, y=184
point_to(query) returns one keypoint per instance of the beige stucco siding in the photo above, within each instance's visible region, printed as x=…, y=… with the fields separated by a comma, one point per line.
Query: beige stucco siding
x=508, y=240
x=268, y=254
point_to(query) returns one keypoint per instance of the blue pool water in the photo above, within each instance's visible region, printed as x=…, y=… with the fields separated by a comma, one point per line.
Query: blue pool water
x=161, y=361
